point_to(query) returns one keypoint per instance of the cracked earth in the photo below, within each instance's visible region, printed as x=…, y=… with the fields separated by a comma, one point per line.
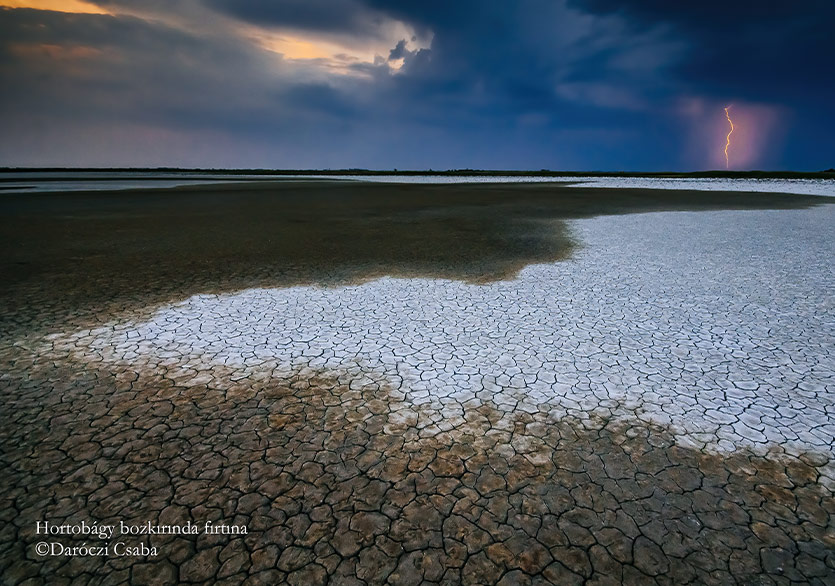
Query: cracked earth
x=658, y=409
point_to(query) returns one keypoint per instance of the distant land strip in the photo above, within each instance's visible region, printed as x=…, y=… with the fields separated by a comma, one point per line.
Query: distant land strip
x=827, y=174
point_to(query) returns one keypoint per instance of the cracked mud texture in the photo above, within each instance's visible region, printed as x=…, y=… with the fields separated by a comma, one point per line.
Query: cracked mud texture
x=656, y=409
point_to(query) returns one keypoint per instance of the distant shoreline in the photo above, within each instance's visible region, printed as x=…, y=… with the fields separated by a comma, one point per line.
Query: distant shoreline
x=828, y=174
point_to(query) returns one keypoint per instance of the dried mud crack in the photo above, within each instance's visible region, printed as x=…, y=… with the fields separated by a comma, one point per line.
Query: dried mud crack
x=637, y=398
x=345, y=482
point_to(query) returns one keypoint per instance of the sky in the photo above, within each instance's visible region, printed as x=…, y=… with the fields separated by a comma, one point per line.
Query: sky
x=575, y=85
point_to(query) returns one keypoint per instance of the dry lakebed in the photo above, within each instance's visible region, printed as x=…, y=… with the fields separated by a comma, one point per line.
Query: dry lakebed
x=368, y=383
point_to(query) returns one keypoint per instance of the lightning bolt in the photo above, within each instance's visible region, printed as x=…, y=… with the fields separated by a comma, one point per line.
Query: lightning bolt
x=728, y=138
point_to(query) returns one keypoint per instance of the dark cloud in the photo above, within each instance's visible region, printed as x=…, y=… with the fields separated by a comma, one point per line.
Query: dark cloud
x=65, y=74
x=585, y=84
x=400, y=51
x=119, y=67
x=714, y=15
x=747, y=46
x=330, y=16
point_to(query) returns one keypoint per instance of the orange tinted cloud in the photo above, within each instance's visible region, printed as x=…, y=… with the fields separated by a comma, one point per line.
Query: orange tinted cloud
x=295, y=47
x=77, y=6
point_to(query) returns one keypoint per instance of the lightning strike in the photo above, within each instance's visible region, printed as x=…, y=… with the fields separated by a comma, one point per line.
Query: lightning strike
x=728, y=138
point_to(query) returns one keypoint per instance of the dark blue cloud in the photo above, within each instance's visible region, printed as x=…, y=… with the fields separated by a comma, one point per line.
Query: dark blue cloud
x=745, y=46
x=333, y=16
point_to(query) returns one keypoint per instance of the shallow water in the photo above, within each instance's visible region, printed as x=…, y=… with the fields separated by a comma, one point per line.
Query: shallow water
x=92, y=181
x=799, y=186
x=84, y=181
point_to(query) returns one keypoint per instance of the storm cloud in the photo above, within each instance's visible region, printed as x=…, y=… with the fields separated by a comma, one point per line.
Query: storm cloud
x=575, y=85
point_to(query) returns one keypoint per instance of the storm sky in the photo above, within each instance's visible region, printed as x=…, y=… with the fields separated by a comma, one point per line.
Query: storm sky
x=635, y=85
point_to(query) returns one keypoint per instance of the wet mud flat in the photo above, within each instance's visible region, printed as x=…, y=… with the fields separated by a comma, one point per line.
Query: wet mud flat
x=619, y=415
x=67, y=255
